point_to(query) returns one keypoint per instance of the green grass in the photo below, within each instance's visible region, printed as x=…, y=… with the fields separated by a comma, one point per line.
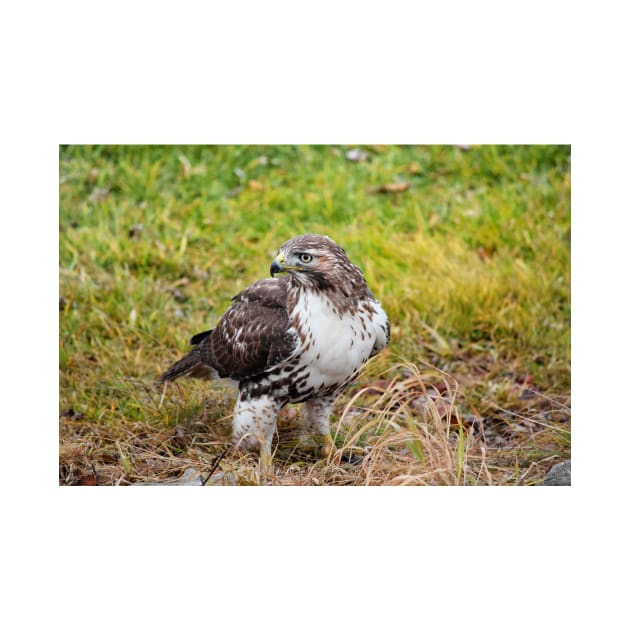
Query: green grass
x=471, y=262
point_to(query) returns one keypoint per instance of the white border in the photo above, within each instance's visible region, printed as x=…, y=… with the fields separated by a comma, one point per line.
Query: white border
x=541, y=72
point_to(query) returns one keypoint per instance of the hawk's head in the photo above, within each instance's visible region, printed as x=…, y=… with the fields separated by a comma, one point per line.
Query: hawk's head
x=317, y=262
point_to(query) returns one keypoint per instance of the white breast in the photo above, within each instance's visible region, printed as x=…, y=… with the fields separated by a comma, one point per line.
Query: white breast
x=336, y=345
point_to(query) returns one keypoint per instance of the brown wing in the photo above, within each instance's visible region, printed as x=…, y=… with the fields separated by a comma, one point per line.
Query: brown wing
x=253, y=334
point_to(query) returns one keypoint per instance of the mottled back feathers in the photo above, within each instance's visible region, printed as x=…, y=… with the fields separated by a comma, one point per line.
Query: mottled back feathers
x=253, y=335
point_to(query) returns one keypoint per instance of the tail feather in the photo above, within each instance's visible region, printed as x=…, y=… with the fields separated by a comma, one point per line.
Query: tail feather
x=191, y=365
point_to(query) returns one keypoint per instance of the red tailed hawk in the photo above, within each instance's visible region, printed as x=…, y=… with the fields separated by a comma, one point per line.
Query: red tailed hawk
x=299, y=338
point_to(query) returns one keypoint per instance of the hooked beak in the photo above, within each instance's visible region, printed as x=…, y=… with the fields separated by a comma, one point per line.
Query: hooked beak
x=277, y=266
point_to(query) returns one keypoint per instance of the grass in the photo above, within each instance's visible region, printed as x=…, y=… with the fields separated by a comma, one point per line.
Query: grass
x=470, y=258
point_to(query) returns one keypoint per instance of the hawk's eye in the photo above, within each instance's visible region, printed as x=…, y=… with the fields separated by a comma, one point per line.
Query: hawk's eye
x=305, y=258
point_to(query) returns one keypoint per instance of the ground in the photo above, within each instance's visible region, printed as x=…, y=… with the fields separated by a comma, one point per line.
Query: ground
x=467, y=248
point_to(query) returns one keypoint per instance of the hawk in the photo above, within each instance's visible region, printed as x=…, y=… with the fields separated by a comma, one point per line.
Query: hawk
x=302, y=337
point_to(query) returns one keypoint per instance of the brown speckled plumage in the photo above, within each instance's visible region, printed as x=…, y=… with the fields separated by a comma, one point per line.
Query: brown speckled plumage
x=302, y=337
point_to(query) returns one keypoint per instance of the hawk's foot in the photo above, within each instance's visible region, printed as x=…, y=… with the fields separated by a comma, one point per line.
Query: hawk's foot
x=322, y=446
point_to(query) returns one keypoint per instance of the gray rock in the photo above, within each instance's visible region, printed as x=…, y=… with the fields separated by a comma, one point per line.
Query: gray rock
x=559, y=475
x=194, y=477
x=190, y=477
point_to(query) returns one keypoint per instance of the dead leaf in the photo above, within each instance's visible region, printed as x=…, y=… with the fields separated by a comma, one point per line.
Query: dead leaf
x=136, y=230
x=436, y=388
x=98, y=194
x=434, y=219
x=254, y=184
x=377, y=387
x=92, y=175
x=444, y=408
x=393, y=187
x=86, y=480
x=178, y=295
x=483, y=254
x=182, y=282
x=524, y=379
x=109, y=457
x=469, y=422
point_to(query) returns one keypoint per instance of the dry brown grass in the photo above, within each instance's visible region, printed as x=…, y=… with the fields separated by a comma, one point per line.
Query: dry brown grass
x=407, y=426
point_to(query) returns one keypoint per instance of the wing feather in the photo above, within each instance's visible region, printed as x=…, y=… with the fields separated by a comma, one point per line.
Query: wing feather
x=253, y=335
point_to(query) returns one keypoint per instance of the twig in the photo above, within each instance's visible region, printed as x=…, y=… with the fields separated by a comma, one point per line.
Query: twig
x=216, y=463
x=163, y=393
x=550, y=399
x=518, y=415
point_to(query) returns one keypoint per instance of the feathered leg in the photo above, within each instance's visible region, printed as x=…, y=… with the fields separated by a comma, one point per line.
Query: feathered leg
x=255, y=423
x=316, y=425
